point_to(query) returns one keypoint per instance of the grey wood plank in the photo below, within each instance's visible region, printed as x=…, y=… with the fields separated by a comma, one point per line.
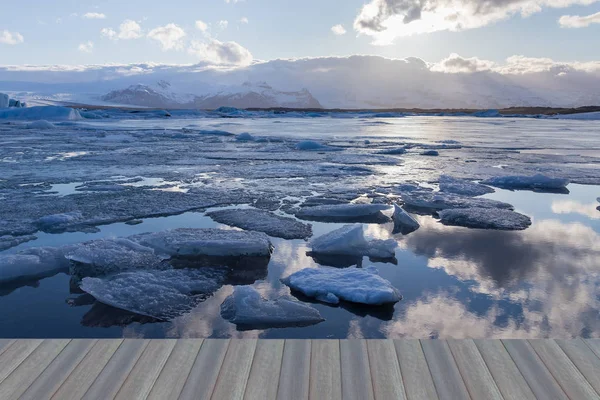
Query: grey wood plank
x=174, y=374
x=14, y=355
x=355, y=370
x=507, y=376
x=58, y=371
x=585, y=360
x=474, y=371
x=266, y=367
x=203, y=376
x=5, y=344
x=325, y=373
x=572, y=382
x=108, y=383
x=24, y=375
x=594, y=345
x=385, y=370
x=541, y=382
x=148, y=367
x=416, y=376
x=80, y=380
x=233, y=377
x=295, y=370
x=444, y=371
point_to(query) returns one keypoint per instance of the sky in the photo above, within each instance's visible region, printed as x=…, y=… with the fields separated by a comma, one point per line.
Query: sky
x=41, y=32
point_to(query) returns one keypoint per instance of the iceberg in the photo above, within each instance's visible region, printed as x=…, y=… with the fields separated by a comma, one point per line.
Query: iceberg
x=311, y=145
x=403, y=222
x=485, y=218
x=162, y=295
x=244, y=137
x=356, y=285
x=249, y=310
x=350, y=240
x=263, y=221
x=535, y=182
x=32, y=263
x=48, y=113
x=462, y=187
x=4, y=100
x=345, y=213
x=431, y=201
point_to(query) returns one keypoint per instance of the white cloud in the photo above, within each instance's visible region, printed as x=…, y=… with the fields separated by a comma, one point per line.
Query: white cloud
x=86, y=47
x=576, y=21
x=244, y=20
x=201, y=25
x=456, y=64
x=216, y=52
x=223, y=24
x=169, y=36
x=232, y=1
x=128, y=29
x=338, y=29
x=94, y=15
x=109, y=33
x=11, y=38
x=386, y=20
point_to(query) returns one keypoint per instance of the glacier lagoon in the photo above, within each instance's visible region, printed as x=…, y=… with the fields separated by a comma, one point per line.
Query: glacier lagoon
x=124, y=174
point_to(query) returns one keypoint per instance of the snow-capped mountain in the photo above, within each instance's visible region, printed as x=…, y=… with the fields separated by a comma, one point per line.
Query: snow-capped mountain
x=163, y=95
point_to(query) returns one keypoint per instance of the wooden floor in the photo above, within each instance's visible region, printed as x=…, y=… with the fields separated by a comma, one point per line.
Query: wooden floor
x=299, y=369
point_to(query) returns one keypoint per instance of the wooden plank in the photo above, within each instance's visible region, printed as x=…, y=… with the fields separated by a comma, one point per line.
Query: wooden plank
x=173, y=376
x=355, y=370
x=325, y=373
x=444, y=371
x=385, y=370
x=416, y=376
x=5, y=344
x=235, y=370
x=203, y=376
x=507, y=376
x=585, y=360
x=474, y=371
x=13, y=356
x=572, y=382
x=58, y=371
x=266, y=367
x=148, y=367
x=108, y=383
x=80, y=380
x=24, y=375
x=594, y=345
x=541, y=382
x=294, y=379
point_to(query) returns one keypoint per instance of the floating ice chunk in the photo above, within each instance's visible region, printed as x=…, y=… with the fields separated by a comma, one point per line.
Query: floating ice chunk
x=357, y=285
x=462, y=186
x=249, y=310
x=399, y=150
x=345, y=213
x=52, y=113
x=351, y=240
x=58, y=222
x=430, y=153
x=4, y=100
x=403, y=222
x=41, y=124
x=440, y=201
x=534, y=182
x=109, y=256
x=158, y=294
x=187, y=242
x=485, y=218
x=8, y=241
x=311, y=145
x=263, y=221
x=214, y=132
x=32, y=263
x=244, y=137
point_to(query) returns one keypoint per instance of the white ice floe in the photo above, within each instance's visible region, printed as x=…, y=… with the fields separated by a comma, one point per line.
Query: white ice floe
x=538, y=181
x=8, y=241
x=351, y=240
x=485, y=218
x=263, y=221
x=439, y=201
x=32, y=263
x=403, y=222
x=187, y=242
x=395, y=151
x=357, y=285
x=56, y=222
x=41, y=124
x=244, y=137
x=463, y=187
x=158, y=294
x=346, y=212
x=49, y=113
x=311, y=145
x=248, y=309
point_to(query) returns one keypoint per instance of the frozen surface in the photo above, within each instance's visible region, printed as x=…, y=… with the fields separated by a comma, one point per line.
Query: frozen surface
x=263, y=221
x=356, y=285
x=485, y=218
x=403, y=222
x=345, y=213
x=311, y=145
x=534, y=182
x=41, y=124
x=439, y=201
x=32, y=263
x=462, y=186
x=351, y=240
x=249, y=310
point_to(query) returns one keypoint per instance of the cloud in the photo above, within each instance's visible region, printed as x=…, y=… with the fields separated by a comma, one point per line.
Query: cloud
x=244, y=20
x=86, y=47
x=94, y=15
x=386, y=20
x=456, y=64
x=576, y=21
x=11, y=38
x=223, y=24
x=338, y=29
x=201, y=25
x=169, y=36
x=128, y=29
x=216, y=52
